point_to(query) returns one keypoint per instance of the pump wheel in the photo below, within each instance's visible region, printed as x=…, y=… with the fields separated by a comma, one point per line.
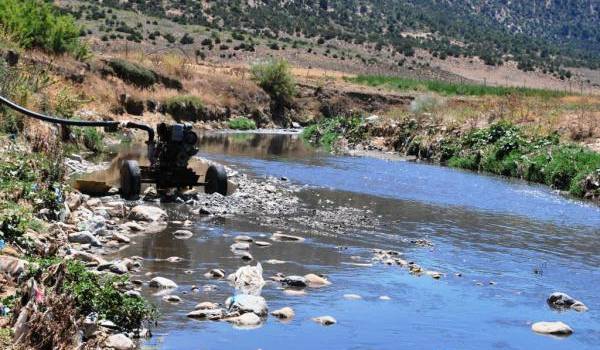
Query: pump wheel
x=216, y=180
x=130, y=179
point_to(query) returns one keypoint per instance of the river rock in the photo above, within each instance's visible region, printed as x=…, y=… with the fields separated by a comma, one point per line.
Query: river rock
x=352, y=297
x=174, y=259
x=215, y=273
x=119, y=342
x=119, y=267
x=315, y=280
x=206, y=305
x=244, y=303
x=183, y=234
x=284, y=313
x=248, y=279
x=133, y=226
x=84, y=237
x=133, y=293
x=161, y=282
x=245, y=320
x=434, y=274
x=554, y=328
x=325, y=320
x=115, y=208
x=280, y=237
x=148, y=213
x=12, y=266
x=562, y=301
x=121, y=238
x=243, y=238
x=207, y=314
x=172, y=298
x=240, y=246
x=262, y=243
x=295, y=281
x=87, y=257
x=275, y=262
x=294, y=292
x=246, y=256
x=385, y=298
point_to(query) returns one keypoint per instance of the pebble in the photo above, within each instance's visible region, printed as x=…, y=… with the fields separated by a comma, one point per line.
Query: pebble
x=206, y=305
x=352, y=297
x=161, y=282
x=554, y=328
x=240, y=246
x=183, y=234
x=315, y=280
x=174, y=259
x=284, y=313
x=243, y=238
x=172, y=298
x=280, y=237
x=385, y=298
x=215, y=273
x=325, y=320
x=262, y=243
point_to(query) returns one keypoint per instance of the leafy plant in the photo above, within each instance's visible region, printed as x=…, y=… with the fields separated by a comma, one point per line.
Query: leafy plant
x=242, y=123
x=133, y=73
x=275, y=78
x=184, y=107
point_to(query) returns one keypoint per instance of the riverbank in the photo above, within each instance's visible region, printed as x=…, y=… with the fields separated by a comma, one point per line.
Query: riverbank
x=502, y=148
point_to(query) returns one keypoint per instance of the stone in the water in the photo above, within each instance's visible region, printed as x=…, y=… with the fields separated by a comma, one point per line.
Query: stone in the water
x=294, y=292
x=385, y=298
x=172, y=298
x=316, y=281
x=215, y=273
x=243, y=238
x=174, y=259
x=554, y=328
x=325, y=320
x=244, y=303
x=295, y=281
x=280, y=237
x=207, y=314
x=161, y=282
x=274, y=262
x=148, y=213
x=284, y=313
x=183, y=234
x=245, y=320
x=206, y=305
x=240, y=246
x=248, y=279
x=352, y=297
x=562, y=301
x=121, y=238
x=84, y=237
x=434, y=274
x=246, y=256
x=119, y=342
x=262, y=243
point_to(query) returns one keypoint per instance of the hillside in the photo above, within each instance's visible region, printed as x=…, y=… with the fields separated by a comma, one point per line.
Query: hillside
x=549, y=36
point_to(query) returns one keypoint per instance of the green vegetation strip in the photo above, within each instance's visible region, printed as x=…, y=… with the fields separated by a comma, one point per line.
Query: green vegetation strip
x=242, y=123
x=447, y=88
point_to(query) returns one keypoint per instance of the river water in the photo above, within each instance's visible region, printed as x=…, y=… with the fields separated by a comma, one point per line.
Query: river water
x=503, y=246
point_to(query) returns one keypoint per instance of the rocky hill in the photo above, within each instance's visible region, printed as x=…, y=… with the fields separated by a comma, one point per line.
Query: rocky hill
x=544, y=35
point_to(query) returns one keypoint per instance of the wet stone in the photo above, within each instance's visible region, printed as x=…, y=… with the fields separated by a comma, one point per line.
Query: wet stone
x=295, y=281
x=283, y=313
x=553, y=328
x=325, y=320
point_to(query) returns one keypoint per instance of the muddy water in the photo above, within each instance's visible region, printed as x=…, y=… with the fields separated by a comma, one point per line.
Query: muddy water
x=513, y=244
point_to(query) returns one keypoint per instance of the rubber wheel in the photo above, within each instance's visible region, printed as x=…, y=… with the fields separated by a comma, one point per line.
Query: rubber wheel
x=216, y=180
x=130, y=179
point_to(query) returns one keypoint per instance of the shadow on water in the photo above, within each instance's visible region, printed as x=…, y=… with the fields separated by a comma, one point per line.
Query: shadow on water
x=513, y=244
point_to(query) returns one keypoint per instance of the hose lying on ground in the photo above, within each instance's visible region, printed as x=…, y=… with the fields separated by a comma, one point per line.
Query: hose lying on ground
x=110, y=125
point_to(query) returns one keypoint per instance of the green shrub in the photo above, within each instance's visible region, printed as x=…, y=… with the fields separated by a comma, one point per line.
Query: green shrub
x=184, y=107
x=242, y=123
x=275, y=78
x=133, y=73
x=327, y=131
x=35, y=23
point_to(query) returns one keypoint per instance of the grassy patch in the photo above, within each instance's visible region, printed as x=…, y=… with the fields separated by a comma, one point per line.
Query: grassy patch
x=504, y=149
x=5, y=338
x=327, y=131
x=184, y=107
x=241, y=123
x=447, y=88
x=133, y=73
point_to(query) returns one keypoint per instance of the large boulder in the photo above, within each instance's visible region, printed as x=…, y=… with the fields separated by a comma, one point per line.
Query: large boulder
x=243, y=303
x=148, y=213
x=119, y=342
x=248, y=279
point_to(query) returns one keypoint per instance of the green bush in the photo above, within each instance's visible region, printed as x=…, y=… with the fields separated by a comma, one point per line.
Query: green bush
x=242, y=123
x=275, y=78
x=133, y=73
x=184, y=107
x=35, y=23
x=329, y=130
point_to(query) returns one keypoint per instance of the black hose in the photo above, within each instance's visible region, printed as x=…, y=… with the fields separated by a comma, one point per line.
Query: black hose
x=110, y=124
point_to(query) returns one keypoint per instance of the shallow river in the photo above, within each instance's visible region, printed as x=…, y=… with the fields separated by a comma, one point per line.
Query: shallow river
x=512, y=243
